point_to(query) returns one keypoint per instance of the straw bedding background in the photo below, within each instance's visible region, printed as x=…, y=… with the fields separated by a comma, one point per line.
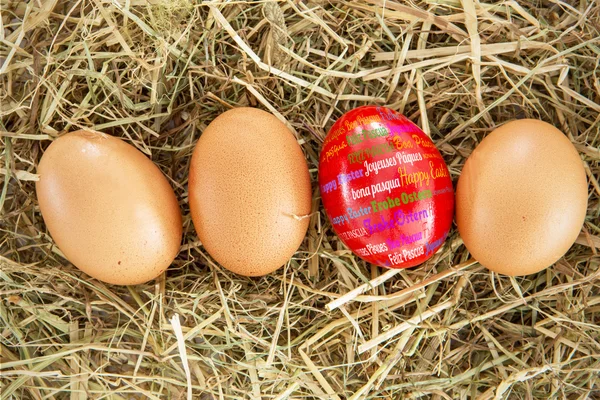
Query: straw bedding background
x=157, y=72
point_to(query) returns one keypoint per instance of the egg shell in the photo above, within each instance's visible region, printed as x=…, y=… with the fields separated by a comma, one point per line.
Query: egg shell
x=249, y=188
x=521, y=198
x=385, y=187
x=109, y=209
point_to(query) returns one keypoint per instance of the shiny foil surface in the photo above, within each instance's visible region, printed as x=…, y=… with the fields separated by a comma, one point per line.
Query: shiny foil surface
x=385, y=188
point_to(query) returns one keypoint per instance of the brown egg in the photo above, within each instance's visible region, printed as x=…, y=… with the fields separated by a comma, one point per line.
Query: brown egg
x=109, y=209
x=248, y=182
x=521, y=198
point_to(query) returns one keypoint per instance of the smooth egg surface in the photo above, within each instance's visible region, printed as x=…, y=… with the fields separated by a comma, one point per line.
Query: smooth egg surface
x=108, y=207
x=249, y=188
x=521, y=199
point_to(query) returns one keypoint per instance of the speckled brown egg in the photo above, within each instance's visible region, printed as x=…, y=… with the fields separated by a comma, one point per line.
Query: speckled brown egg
x=521, y=198
x=109, y=209
x=249, y=188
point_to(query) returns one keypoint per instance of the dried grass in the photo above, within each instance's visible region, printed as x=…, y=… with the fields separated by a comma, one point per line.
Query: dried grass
x=326, y=325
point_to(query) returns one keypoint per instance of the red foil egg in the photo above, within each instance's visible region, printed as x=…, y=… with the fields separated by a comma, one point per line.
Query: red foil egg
x=385, y=187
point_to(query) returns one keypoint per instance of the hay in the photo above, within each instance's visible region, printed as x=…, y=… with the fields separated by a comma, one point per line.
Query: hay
x=326, y=325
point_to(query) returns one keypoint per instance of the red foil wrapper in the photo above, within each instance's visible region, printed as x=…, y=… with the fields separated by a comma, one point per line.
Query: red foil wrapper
x=385, y=187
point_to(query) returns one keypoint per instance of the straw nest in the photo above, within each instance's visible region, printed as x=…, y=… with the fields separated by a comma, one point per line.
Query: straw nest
x=326, y=325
